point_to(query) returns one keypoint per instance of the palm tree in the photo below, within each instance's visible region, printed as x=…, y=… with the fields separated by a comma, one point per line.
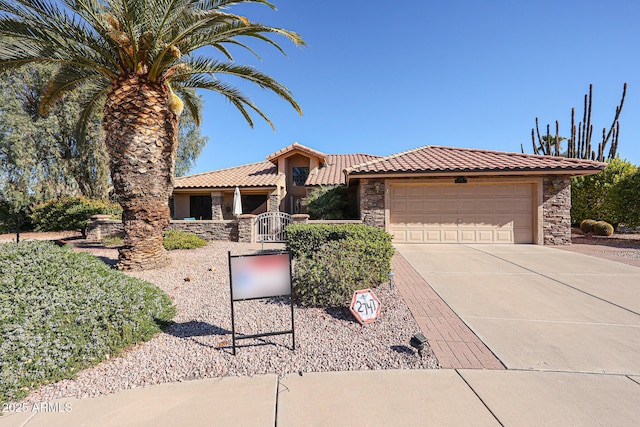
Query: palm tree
x=140, y=60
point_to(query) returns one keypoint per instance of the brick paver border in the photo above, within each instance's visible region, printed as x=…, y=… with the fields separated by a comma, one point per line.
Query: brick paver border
x=454, y=344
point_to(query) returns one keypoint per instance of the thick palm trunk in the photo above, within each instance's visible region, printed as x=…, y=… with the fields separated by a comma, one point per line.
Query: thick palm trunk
x=141, y=140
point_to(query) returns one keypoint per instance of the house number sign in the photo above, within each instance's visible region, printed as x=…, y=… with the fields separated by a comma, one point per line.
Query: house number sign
x=365, y=306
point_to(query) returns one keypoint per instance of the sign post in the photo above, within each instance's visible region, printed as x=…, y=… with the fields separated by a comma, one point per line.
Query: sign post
x=260, y=276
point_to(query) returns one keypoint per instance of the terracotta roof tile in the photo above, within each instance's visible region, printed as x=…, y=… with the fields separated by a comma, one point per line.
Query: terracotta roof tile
x=331, y=172
x=294, y=146
x=261, y=174
x=434, y=159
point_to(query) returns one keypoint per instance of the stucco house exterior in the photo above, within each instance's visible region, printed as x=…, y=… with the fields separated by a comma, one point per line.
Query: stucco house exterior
x=431, y=194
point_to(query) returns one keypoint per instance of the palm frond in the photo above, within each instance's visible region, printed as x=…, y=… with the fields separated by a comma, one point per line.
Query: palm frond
x=68, y=78
x=192, y=101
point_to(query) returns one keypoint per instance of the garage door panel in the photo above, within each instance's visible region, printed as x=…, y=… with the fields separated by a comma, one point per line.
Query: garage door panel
x=415, y=206
x=503, y=236
x=415, y=192
x=485, y=236
x=462, y=213
x=449, y=206
x=449, y=236
x=522, y=206
x=467, y=236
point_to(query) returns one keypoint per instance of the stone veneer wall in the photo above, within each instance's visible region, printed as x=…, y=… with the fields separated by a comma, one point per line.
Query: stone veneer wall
x=372, y=202
x=208, y=230
x=556, y=207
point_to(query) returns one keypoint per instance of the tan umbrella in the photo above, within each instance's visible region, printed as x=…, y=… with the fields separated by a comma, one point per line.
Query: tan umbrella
x=237, y=202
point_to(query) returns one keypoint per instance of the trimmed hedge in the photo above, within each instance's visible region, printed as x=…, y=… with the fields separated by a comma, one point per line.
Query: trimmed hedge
x=332, y=261
x=61, y=311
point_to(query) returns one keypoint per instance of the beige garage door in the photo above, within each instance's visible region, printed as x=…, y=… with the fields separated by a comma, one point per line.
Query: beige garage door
x=462, y=213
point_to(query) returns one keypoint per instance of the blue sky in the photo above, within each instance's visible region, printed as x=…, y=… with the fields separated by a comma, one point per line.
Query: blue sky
x=382, y=77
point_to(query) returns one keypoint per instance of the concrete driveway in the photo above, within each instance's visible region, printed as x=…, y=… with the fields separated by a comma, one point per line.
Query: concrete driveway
x=540, y=308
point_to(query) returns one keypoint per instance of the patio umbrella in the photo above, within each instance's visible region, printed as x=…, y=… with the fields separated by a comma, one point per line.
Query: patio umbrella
x=237, y=202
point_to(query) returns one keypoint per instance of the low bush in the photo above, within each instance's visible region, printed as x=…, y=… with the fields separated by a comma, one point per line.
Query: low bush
x=377, y=250
x=70, y=213
x=587, y=225
x=61, y=311
x=178, y=239
x=334, y=260
x=602, y=228
x=329, y=277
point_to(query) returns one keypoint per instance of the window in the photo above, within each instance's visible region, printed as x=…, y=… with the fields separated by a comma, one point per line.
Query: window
x=300, y=175
x=200, y=207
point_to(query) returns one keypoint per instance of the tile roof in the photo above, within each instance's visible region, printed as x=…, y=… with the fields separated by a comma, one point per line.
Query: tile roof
x=436, y=159
x=294, y=146
x=331, y=172
x=261, y=174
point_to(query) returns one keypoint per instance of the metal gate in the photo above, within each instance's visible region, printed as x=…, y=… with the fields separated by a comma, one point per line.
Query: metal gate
x=270, y=226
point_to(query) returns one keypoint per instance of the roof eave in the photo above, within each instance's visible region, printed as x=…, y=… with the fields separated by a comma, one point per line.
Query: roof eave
x=400, y=174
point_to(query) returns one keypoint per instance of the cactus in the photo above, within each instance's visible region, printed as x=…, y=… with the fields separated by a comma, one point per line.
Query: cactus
x=602, y=228
x=579, y=144
x=587, y=225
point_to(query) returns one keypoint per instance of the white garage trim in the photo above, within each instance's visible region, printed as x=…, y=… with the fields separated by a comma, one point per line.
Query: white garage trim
x=506, y=221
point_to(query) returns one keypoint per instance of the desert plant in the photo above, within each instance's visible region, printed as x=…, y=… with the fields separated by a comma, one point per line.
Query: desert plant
x=179, y=239
x=61, y=311
x=602, y=228
x=587, y=225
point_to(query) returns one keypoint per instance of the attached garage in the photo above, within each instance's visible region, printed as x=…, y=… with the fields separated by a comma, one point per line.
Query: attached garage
x=461, y=213
x=435, y=194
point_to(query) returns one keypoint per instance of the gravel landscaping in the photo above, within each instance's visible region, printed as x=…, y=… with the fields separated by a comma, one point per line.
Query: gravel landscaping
x=198, y=345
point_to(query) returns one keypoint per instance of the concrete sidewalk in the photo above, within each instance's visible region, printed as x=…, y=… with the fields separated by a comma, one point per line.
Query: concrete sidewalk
x=444, y=397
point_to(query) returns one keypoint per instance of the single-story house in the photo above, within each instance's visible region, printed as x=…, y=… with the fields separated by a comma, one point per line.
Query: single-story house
x=430, y=194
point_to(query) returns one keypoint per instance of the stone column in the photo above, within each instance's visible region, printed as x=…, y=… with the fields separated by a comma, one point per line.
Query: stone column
x=216, y=205
x=372, y=202
x=246, y=228
x=274, y=201
x=556, y=208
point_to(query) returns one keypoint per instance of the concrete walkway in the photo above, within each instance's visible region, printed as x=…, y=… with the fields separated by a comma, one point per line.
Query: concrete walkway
x=539, y=310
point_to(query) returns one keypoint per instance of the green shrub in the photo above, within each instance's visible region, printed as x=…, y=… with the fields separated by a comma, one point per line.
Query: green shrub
x=595, y=196
x=329, y=277
x=377, y=250
x=61, y=311
x=70, y=213
x=327, y=202
x=587, y=225
x=627, y=196
x=178, y=239
x=602, y=228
